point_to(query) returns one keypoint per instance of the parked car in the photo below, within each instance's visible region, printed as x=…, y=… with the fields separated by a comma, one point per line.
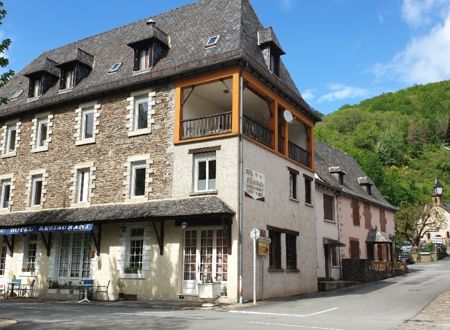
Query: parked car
x=406, y=246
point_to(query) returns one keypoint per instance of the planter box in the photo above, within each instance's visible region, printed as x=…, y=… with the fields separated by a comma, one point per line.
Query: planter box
x=62, y=294
x=209, y=290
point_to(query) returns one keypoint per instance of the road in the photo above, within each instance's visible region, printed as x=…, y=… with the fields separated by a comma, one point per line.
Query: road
x=381, y=305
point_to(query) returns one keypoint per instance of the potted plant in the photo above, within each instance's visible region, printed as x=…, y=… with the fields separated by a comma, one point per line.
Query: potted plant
x=208, y=289
x=131, y=270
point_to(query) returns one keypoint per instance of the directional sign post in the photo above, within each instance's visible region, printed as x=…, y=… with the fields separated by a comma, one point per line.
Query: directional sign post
x=254, y=235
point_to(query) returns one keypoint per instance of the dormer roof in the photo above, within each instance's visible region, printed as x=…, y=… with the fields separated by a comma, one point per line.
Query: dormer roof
x=266, y=36
x=151, y=31
x=44, y=64
x=80, y=56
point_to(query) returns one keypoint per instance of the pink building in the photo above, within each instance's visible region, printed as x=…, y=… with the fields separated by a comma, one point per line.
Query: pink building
x=354, y=221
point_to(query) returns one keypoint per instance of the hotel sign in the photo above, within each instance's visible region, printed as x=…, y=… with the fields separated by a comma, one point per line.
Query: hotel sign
x=79, y=228
x=254, y=185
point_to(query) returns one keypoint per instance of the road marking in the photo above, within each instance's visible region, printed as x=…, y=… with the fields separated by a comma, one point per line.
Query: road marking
x=292, y=315
x=292, y=325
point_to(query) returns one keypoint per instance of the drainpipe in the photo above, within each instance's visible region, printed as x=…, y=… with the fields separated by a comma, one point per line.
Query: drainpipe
x=241, y=188
x=339, y=233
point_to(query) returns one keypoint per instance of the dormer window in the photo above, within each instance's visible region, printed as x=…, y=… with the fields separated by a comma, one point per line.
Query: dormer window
x=275, y=64
x=42, y=76
x=35, y=87
x=271, y=49
x=67, y=79
x=143, y=62
x=78, y=65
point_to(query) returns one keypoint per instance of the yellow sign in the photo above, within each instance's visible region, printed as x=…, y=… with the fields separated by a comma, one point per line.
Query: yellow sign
x=263, y=248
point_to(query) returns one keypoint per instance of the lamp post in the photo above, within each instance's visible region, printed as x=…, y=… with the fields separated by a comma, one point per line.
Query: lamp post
x=438, y=189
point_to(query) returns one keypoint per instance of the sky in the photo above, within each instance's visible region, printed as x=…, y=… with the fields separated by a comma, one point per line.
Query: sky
x=337, y=51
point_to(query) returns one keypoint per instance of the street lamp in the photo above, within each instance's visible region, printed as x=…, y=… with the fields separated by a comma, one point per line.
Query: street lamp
x=438, y=189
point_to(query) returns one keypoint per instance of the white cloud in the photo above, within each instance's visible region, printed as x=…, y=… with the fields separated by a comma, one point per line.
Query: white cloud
x=425, y=59
x=287, y=4
x=422, y=12
x=309, y=94
x=340, y=92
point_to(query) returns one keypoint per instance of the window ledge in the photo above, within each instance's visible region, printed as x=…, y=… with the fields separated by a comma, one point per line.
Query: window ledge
x=81, y=204
x=139, y=132
x=40, y=149
x=142, y=71
x=5, y=210
x=329, y=221
x=309, y=204
x=292, y=271
x=84, y=142
x=34, y=208
x=35, y=98
x=66, y=90
x=294, y=200
x=202, y=193
x=9, y=154
x=132, y=276
x=275, y=270
x=136, y=200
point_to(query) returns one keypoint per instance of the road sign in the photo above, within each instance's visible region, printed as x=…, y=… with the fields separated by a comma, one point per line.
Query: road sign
x=254, y=233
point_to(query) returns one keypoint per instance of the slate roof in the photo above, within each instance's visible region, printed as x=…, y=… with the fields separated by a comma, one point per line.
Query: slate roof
x=158, y=210
x=326, y=156
x=376, y=236
x=188, y=28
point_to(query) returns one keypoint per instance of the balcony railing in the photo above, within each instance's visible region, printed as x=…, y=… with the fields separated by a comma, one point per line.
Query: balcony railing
x=257, y=132
x=299, y=154
x=208, y=125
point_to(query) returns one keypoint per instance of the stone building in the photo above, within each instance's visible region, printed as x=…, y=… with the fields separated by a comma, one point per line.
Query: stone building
x=354, y=221
x=143, y=156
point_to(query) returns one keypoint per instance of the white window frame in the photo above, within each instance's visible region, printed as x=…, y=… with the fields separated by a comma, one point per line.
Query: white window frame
x=3, y=248
x=9, y=130
x=37, y=132
x=6, y=138
x=137, y=165
x=37, y=90
x=34, y=179
x=204, y=157
x=80, y=123
x=69, y=79
x=133, y=110
x=7, y=182
x=144, y=59
x=84, y=113
x=83, y=185
x=30, y=239
x=39, y=125
x=128, y=252
x=84, y=247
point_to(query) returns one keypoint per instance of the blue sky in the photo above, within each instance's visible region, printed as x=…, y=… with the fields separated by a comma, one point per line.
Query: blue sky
x=338, y=51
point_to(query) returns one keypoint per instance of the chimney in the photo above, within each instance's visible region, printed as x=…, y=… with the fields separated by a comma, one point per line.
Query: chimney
x=366, y=184
x=151, y=22
x=337, y=173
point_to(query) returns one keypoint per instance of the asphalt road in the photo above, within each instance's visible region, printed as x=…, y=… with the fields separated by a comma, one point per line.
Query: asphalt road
x=381, y=305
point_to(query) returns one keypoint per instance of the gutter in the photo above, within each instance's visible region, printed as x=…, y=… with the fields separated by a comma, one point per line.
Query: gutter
x=241, y=190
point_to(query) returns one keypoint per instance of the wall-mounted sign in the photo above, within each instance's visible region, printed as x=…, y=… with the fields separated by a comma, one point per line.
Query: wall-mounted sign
x=254, y=185
x=263, y=246
x=86, y=227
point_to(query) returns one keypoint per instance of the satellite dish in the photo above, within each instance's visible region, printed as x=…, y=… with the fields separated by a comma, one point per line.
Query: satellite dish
x=288, y=116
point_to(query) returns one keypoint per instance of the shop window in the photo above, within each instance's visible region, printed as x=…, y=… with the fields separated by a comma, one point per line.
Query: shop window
x=291, y=252
x=73, y=257
x=275, y=250
x=204, y=172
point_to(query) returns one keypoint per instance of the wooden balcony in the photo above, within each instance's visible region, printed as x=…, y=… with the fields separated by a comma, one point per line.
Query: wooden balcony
x=206, y=126
x=257, y=132
x=299, y=154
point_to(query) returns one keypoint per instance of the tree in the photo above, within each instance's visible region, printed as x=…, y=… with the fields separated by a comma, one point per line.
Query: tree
x=4, y=45
x=413, y=221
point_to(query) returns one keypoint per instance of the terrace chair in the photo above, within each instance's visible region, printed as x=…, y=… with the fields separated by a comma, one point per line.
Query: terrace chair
x=102, y=289
x=27, y=290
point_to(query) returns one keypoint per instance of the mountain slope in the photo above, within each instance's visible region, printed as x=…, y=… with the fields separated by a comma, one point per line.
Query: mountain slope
x=397, y=138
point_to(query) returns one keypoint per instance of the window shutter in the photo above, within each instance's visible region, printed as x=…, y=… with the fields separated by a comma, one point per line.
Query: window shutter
x=382, y=220
x=355, y=206
x=41, y=85
x=62, y=79
x=136, y=60
x=367, y=216
x=31, y=87
x=78, y=74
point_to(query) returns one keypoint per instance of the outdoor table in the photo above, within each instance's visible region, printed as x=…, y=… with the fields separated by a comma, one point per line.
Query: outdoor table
x=86, y=286
x=11, y=291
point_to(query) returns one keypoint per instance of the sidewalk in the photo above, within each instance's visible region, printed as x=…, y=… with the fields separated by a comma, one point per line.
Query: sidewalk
x=434, y=316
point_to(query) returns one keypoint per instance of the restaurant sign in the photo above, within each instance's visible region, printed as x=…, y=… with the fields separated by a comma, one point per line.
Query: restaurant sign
x=79, y=228
x=254, y=185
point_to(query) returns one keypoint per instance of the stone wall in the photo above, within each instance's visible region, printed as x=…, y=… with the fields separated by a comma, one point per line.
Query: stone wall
x=109, y=152
x=363, y=270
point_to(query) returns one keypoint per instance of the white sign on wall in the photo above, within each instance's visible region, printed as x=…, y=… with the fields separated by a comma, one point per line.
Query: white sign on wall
x=254, y=185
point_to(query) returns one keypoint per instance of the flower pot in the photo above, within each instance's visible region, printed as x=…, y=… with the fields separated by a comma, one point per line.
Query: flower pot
x=209, y=290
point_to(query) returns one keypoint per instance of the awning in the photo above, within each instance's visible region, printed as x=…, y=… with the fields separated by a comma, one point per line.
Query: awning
x=78, y=228
x=377, y=237
x=332, y=242
x=168, y=209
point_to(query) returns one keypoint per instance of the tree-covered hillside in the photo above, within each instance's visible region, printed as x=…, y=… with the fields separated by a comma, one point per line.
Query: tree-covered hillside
x=397, y=138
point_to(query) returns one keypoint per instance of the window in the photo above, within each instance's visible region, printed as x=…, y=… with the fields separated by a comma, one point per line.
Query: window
x=140, y=114
x=144, y=59
x=41, y=132
x=354, y=249
x=291, y=251
x=205, y=172
x=334, y=256
x=428, y=236
x=11, y=137
x=35, y=88
x=5, y=193
x=355, y=212
x=73, y=258
x=212, y=41
x=36, y=190
x=308, y=199
x=328, y=206
x=83, y=183
x=274, y=63
x=87, y=123
x=30, y=249
x=115, y=67
x=67, y=79
x=293, y=184
x=136, y=251
x=3, y=250
x=275, y=250
x=138, y=179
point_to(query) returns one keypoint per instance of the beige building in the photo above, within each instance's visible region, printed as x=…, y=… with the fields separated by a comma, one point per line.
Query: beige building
x=143, y=156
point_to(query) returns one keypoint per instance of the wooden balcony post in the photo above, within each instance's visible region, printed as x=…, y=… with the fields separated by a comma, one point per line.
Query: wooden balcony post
x=275, y=125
